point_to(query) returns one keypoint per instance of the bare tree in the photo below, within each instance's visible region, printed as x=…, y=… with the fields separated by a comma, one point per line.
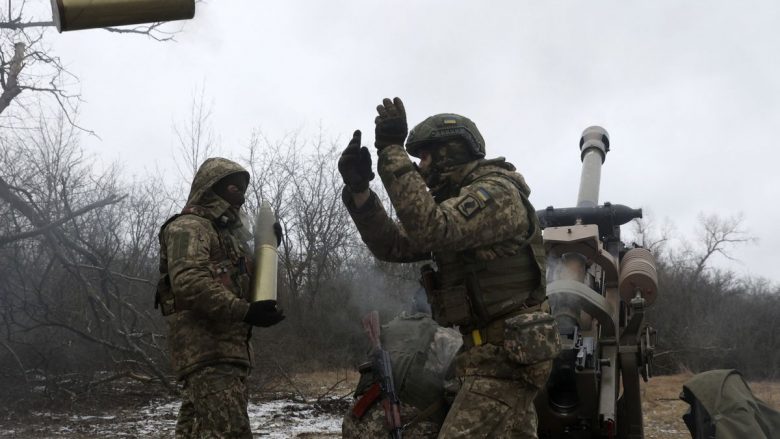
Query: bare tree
x=711, y=317
x=78, y=277
x=300, y=181
x=31, y=74
x=717, y=235
x=647, y=233
x=195, y=136
x=327, y=277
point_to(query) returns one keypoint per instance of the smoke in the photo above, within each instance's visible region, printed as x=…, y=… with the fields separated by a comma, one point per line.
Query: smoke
x=387, y=288
x=569, y=266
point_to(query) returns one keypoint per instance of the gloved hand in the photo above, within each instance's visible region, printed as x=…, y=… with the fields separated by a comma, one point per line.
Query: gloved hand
x=279, y=233
x=355, y=165
x=391, y=128
x=264, y=313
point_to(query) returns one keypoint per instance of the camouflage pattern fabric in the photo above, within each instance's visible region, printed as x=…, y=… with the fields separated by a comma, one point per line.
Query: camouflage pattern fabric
x=492, y=228
x=203, y=254
x=214, y=404
x=488, y=407
x=372, y=424
x=487, y=217
x=531, y=338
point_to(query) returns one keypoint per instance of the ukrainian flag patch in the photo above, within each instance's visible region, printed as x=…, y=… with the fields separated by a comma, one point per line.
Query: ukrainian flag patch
x=483, y=195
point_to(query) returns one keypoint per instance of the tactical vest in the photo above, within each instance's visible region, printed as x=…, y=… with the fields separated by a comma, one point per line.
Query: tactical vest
x=472, y=293
x=234, y=272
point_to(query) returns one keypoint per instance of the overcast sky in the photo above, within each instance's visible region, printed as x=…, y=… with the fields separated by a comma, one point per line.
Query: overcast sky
x=689, y=91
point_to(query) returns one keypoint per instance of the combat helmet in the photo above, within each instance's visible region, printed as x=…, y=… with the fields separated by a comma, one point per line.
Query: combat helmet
x=443, y=127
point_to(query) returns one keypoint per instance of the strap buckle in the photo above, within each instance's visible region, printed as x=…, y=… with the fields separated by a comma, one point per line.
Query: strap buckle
x=476, y=337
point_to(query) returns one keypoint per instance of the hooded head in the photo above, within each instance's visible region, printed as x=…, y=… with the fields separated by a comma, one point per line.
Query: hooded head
x=202, y=192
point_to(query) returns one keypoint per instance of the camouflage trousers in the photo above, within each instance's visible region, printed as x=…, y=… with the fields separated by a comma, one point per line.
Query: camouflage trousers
x=372, y=424
x=488, y=407
x=214, y=404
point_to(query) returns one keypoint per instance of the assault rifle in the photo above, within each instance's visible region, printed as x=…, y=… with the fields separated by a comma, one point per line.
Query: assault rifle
x=598, y=289
x=383, y=369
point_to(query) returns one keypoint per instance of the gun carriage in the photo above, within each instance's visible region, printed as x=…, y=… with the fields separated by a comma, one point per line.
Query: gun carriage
x=598, y=290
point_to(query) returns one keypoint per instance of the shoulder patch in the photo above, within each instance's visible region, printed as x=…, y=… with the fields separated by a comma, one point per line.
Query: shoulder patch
x=180, y=246
x=469, y=206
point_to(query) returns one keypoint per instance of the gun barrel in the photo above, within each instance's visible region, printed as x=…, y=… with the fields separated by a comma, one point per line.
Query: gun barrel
x=594, y=145
x=90, y=14
x=606, y=217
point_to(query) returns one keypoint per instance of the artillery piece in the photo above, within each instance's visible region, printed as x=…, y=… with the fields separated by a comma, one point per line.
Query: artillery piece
x=598, y=290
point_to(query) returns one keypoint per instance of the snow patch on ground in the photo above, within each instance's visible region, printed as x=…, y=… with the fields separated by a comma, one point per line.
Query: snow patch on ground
x=269, y=419
x=284, y=419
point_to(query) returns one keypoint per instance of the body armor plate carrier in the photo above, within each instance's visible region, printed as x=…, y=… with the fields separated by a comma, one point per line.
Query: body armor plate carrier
x=472, y=293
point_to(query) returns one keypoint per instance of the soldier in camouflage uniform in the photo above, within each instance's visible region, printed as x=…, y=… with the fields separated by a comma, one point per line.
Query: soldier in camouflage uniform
x=472, y=217
x=204, y=292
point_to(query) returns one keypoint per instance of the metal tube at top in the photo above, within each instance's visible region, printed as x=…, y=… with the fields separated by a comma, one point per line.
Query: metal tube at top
x=594, y=145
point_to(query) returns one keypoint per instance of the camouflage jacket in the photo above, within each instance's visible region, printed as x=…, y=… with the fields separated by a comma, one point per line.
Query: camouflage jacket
x=487, y=216
x=207, y=264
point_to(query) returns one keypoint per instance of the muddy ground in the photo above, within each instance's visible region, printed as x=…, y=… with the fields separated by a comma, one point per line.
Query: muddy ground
x=303, y=406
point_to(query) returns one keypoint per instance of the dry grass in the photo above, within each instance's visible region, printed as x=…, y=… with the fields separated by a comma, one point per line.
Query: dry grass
x=333, y=383
x=662, y=406
x=767, y=391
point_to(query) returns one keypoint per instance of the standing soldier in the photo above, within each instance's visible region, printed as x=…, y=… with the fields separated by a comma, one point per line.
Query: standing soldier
x=204, y=290
x=472, y=217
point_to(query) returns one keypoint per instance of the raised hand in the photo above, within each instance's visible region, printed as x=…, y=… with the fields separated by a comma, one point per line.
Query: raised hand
x=391, y=127
x=355, y=165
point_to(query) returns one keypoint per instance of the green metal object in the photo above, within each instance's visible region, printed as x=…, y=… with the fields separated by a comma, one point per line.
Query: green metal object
x=92, y=14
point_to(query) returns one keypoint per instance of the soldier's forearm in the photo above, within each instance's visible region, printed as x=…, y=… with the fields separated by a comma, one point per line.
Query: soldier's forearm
x=378, y=230
x=197, y=291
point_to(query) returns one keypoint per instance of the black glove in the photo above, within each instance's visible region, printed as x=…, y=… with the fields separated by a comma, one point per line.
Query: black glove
x=279, y=233
x=264, y=313
x=355, y=165
x=391, y=128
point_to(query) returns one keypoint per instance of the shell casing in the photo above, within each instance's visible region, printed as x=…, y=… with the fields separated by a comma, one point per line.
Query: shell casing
x=266, y=255
x=265, y=273
x=91, y=14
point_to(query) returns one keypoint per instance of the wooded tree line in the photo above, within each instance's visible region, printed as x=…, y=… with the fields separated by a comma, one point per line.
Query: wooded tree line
x=78, y=263
x=78, y=259
x=709, y=318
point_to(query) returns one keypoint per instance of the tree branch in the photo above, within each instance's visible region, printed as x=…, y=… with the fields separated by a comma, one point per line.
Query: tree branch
x=114, y=273
x=11, y=88
x=150, y=31
x=16, y=357
x=105, y=202
x=16, y=24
